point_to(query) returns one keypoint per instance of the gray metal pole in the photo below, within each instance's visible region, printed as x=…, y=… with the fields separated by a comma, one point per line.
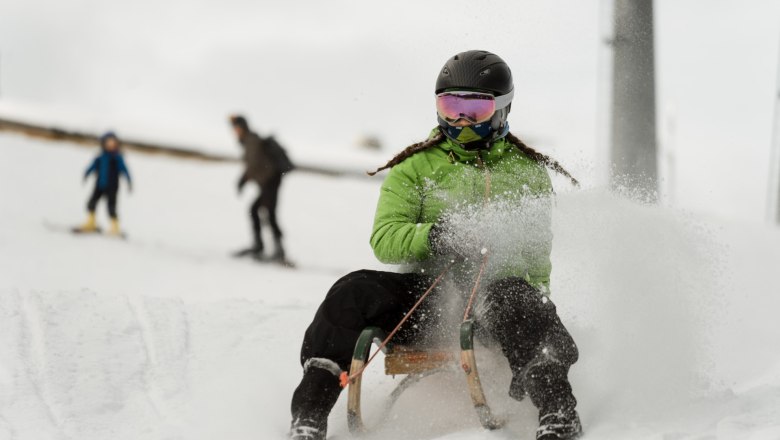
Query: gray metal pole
x=774, y=174
x=633, y=154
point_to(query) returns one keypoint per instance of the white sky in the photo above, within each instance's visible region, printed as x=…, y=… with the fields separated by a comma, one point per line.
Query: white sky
x=320, y=74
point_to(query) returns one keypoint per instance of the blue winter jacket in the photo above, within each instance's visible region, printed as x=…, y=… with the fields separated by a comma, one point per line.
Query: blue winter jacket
x=108, y=166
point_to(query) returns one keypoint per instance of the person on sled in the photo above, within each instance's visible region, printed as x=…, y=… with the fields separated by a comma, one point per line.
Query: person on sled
x=470, y=159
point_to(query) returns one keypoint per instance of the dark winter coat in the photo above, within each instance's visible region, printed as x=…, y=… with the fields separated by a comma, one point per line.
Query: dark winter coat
x=108, y=166
x=264, y=158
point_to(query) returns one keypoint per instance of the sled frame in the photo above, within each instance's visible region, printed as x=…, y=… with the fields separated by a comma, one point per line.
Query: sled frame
x=416, y=364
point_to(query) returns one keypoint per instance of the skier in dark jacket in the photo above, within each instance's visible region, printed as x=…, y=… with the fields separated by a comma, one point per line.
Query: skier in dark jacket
x=470, y=159
x=107, y=166
x=265, y=163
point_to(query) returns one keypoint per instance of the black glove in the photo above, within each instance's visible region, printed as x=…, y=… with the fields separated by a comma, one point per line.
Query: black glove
x=241, y=183
x=444, y=240
x=437, y=241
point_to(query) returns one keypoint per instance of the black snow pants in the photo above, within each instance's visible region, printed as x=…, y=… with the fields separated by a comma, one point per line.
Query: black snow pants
x=267, y=200
x=111, y=195
x=512, y=313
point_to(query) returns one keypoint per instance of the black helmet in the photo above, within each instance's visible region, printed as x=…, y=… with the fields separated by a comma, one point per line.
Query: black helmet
x=476, y=69
x=483, y=71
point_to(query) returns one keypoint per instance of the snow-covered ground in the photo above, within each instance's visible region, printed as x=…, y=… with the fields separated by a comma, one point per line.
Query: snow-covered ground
x=164, y=336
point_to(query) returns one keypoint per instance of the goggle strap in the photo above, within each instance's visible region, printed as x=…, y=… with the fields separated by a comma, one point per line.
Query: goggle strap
x=502, y=101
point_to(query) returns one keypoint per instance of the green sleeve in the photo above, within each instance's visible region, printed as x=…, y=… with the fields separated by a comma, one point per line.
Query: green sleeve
x=538, y=257
x=398, y=236
x=539, y=265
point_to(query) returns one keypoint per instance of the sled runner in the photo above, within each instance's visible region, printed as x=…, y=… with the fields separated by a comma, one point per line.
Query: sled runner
x=468, y=362
x=416, y=364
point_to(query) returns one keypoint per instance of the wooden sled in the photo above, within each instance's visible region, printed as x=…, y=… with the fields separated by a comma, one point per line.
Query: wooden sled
x=416, y=364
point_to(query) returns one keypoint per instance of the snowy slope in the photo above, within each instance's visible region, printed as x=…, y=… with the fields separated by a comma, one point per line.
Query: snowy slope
x=165, y=337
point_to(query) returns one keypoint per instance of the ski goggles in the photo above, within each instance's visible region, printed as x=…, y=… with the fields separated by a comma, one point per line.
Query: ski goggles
x=474, y=107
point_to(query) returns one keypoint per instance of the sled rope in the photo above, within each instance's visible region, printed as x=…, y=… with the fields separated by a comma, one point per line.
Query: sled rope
x=345, y=378
x=485, y=254
x=473, y=295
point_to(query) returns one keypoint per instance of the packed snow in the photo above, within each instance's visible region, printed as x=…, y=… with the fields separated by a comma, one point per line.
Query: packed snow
x=165, y=336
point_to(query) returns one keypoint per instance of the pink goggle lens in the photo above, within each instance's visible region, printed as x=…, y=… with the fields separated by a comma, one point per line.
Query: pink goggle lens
x=474, y=107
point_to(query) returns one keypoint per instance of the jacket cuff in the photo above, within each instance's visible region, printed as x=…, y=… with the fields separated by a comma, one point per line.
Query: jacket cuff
x=421, y=246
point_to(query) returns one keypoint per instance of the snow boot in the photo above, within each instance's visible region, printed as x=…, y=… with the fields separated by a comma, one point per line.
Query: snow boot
x=314, y=399
x=90, y=225
x=308, y=429
x=278, y=254
x=114, y=230
x=559, y=425
x=257, y=249
x=549, y=389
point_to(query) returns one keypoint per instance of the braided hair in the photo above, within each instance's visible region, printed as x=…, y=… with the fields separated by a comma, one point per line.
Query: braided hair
x=410, y=150
x=543, y=159
x=514, y=140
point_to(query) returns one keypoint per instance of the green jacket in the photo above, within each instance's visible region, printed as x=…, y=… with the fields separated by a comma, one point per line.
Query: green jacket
x=417, y=192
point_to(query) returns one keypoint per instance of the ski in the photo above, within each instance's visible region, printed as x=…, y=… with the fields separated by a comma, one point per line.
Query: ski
x=247, y=252
x=280, y=261
x=78, y=230
x=97, y=231
x=261, y=258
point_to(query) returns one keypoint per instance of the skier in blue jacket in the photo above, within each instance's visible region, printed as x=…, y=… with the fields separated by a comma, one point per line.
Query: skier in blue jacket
x=107, y=166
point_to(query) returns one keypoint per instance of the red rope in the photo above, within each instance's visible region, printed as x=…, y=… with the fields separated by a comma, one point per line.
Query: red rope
x=476, y=286
x=484, y=250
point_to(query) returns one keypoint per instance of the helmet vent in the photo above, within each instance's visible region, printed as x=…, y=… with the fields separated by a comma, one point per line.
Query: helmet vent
x=474, y=70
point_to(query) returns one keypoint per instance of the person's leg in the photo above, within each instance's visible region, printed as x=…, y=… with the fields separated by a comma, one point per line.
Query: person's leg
x=91, y=224
x=112, y=199
x=93, y=199
x=111, y=195
x=268, y=200
x=254, y=214
x=538, y=347
x=358, y=300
